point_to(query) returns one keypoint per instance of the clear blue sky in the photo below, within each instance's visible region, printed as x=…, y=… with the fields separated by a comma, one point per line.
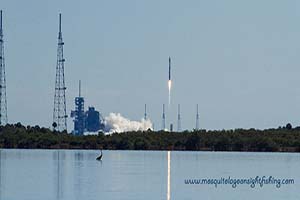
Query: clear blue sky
x=239, y=60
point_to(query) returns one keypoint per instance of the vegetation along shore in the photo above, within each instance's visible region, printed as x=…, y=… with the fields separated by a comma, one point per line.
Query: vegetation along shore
x=282, y=139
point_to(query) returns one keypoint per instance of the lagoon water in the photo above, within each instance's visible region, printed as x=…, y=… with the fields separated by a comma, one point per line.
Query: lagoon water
x=141, y=175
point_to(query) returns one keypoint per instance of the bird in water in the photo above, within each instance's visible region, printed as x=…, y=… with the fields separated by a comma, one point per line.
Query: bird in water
x=99, y=157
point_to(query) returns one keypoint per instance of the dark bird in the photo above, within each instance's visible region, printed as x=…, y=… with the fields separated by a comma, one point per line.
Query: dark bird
x=99, y=157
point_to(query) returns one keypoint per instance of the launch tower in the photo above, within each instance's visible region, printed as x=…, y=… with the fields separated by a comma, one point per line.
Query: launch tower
x=145, y=113
x=197, y=118
x=178, y=119
x=3, y=101
x=59, y=111
x=163, y=126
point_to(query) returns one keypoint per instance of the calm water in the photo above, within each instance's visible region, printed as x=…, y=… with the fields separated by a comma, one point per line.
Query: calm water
x=140, y=175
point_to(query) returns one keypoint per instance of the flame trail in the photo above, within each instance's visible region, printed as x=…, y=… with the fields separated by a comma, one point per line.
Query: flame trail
x=169, y=176
x=169, y=87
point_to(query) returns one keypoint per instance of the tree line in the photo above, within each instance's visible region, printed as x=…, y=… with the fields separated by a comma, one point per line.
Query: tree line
x=282, y=139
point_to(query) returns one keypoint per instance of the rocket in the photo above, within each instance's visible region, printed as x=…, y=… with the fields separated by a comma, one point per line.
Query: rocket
x=169, y=68
x=169, y=81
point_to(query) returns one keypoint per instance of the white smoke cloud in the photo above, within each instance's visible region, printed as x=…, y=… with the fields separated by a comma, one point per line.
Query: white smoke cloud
x=115, y=122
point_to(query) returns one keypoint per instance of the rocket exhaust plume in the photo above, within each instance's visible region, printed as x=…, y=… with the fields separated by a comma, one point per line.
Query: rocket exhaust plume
x=116, y=123
x=169, y=81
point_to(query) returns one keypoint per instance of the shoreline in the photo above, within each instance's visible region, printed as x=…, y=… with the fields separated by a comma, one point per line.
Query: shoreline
x=238, y=140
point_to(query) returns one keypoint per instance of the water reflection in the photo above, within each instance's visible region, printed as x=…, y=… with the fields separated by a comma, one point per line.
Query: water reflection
x=78, y=174
x=58, y=158
x=134, y=175
x=1, y=174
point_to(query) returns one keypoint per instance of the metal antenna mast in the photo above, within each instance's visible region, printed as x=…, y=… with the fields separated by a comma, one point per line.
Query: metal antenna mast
x=145, y=114
x=163, y=127
x=178, y=120
x=79, y=88
x=59, y=112
x=197, y=118
x=3, y=101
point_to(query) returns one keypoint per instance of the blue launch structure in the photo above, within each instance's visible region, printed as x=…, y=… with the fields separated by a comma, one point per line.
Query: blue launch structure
x=93, y=120
x=78, y=114
x=89, y=121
